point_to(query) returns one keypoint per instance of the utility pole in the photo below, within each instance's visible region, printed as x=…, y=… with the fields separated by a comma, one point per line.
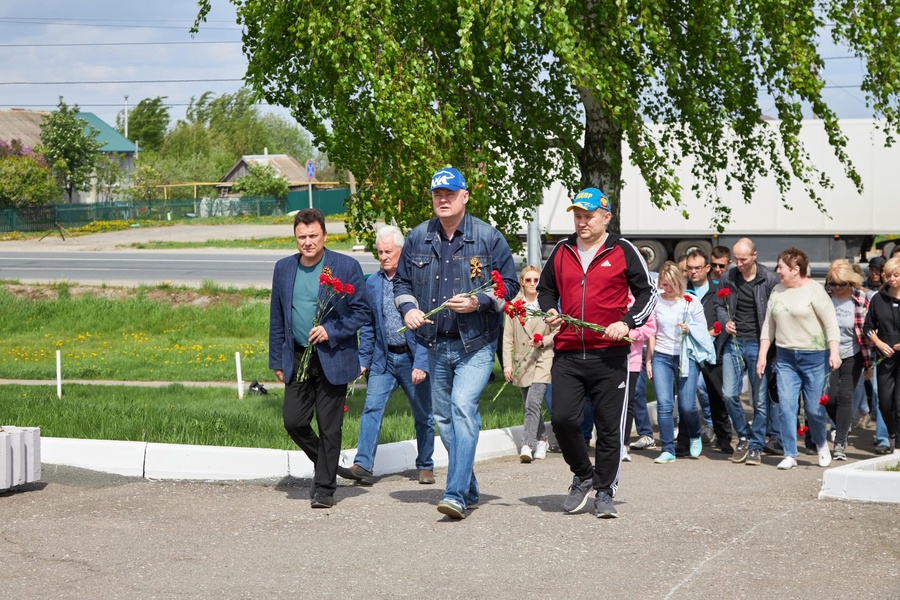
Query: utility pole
x=126, y=116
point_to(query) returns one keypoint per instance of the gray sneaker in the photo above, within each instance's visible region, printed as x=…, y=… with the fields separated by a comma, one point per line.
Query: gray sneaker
x=741, y=452
x=645, y=442
x=578, y=494
x=840, y=452
x=753, y=457
x=604, y=507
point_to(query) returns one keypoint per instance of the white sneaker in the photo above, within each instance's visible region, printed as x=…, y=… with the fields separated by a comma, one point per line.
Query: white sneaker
x=540, y=451
x=643, y=442
x=525, y=454
x=625, y=456
x=824, y=455
x=789, y=462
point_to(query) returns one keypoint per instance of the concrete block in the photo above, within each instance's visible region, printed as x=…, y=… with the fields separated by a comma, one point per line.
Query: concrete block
x=299, y=465
x=16, y=455
x=865, y=480
x=109, y=456
x=5, y=462
x=32, y=437
x=177, y=461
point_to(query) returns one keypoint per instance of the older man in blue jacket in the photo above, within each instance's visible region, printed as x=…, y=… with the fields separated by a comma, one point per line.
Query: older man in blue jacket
x=391, y=359
x=299, y=301
x=443, y=261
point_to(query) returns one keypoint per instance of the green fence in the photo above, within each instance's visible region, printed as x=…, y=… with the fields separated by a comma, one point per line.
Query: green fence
x=43, y=218
x=330, y=202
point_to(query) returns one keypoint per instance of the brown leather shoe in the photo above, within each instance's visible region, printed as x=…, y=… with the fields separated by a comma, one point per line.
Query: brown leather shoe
x=426, y=476
x=357, y=473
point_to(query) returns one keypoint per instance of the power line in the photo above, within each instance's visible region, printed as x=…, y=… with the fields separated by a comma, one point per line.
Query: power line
x=114, y=82
x=184, y=27
x=116, y=44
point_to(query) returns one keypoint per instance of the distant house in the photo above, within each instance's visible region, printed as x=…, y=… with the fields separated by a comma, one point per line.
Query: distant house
x=285, y=165
x=25, y=125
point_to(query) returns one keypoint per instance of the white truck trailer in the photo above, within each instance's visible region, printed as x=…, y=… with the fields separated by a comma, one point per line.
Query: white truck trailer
x=847, y=231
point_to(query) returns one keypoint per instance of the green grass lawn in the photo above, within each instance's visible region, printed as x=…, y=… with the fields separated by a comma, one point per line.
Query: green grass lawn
x=336, y=241
x=148, y=336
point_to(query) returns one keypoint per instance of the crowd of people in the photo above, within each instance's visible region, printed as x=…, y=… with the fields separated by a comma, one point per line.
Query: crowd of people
x=584, y=334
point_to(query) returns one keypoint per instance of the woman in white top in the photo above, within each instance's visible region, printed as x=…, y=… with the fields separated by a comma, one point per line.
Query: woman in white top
x=800, y=320
x=669, y=363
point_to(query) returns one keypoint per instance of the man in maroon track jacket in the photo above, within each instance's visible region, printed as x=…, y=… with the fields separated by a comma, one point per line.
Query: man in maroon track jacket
x=589, y=276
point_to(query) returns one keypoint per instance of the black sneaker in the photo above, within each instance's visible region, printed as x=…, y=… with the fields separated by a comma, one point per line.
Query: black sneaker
x=578, y=494
x=753, y=457
x=774, y=447
x=724, y=446
x=882, y=449
x=682, y=451
x=604, y=507
x=740, y=453
x=322, y=500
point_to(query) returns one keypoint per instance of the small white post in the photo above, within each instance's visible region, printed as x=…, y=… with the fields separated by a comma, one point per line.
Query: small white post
x=240, y=378
x=58, y=376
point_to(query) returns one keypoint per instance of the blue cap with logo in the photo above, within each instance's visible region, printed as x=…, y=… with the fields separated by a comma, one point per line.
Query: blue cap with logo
x=590, y=199
x=448, y=178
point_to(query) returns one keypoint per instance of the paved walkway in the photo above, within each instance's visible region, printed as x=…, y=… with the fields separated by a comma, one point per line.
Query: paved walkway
x=702, y=528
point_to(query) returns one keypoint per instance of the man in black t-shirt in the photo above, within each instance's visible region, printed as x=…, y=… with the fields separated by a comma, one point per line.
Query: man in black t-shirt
x=741, y=306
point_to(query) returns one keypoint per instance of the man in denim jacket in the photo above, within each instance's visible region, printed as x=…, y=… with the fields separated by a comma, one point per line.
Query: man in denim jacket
x=443, y=259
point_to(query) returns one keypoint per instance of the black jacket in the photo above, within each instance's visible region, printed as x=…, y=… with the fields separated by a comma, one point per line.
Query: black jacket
x=884, y=318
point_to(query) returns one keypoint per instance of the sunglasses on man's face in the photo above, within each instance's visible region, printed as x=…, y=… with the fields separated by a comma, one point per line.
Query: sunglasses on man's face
x=719, y=265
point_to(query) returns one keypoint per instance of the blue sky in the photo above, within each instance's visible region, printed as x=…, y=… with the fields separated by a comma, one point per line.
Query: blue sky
x=26, y=29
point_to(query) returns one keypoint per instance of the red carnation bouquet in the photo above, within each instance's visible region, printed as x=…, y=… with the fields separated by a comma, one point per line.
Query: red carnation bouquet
x=518, y=311
x=495, y=286
x=724, y=293
x=334, y=287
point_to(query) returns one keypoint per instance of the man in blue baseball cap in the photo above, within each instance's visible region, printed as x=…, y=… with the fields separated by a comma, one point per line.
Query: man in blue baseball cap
x=590, y=276
x=444, y=259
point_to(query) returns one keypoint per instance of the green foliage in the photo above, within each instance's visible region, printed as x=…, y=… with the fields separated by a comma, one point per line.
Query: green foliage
x=145, y=182
x=261, y=181
x=147, y=123
x=283, y=137
x=25, y=181
x=519, y=92
x=110, y=176
x=70, y=145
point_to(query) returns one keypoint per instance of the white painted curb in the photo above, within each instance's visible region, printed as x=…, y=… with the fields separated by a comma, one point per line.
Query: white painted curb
x=864, y=480
x=216, y=463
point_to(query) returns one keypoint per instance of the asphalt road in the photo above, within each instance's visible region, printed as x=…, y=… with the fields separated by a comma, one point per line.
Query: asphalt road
x=702, y=528
x=107, y=257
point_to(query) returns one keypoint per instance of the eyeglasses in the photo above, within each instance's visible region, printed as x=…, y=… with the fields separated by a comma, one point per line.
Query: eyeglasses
x=529, y=280
x=842, y=284
x=719, y=265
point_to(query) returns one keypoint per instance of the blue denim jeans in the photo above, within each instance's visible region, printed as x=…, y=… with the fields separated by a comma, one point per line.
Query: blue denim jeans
x=666, y=379
x=703, y=399
x=801, y=370
x=732, y=382
x=457, y=380
x=641, y=417
x=881, y=431
x=398, y=371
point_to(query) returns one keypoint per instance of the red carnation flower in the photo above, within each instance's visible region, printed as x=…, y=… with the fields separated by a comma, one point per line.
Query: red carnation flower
x=324, y=279
x=717, y=328
x=688, y=298
x=349, y=289
x=538, y=338
x=824, y=399
x=723, y=293
x=346, y=408
x=801, y=431
x=337, y=285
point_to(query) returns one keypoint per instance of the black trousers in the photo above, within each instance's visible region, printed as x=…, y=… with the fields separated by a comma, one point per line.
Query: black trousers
x=888, y=373
x=629, y=415
x=712, y=376
x=318, y=395
x=603, y=377
x=840, y=391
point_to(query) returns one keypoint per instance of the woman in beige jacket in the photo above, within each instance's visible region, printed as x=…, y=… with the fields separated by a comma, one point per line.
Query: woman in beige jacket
x=527, y=358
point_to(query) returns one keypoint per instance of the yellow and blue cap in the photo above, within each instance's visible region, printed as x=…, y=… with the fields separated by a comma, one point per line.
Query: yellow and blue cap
x=590, y=199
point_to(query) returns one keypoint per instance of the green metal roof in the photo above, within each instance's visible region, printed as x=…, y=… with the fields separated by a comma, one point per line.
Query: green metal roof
x=113, y=141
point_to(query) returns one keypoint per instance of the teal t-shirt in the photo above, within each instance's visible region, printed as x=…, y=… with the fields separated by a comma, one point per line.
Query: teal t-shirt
x=304, y=300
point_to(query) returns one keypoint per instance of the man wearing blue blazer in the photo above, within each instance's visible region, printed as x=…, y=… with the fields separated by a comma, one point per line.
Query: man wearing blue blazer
x=298, y=300
x=392, y=359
